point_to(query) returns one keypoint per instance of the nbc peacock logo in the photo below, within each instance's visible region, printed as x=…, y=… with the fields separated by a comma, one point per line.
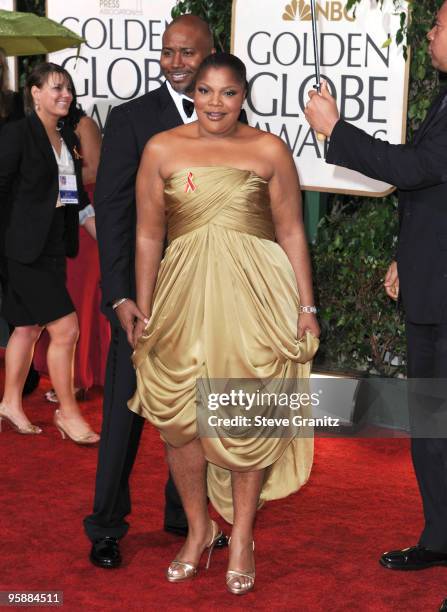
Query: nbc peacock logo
x=297, y=11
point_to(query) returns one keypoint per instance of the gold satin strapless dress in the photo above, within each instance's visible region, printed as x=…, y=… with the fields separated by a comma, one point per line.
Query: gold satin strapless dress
x=225, y=306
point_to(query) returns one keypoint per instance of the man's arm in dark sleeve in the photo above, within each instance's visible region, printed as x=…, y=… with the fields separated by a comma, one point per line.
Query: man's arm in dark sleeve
x=407, y=166
x=11, y=145
x=115, y=206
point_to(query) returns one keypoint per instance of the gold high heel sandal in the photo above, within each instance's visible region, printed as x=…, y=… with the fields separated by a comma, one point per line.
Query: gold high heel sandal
x=87, y=439
x=28, y=430
x=237, y=582
x=182, y=570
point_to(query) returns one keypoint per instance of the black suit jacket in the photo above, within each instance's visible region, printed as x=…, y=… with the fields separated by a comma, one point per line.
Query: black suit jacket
x=29, y=186
x=15, y=110
x=419, y=171
x=127, y=131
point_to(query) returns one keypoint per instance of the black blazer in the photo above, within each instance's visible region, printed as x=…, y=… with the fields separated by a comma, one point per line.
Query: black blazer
x=29, y=186
x=419, y=171
x=15, y=109
x=127, y=131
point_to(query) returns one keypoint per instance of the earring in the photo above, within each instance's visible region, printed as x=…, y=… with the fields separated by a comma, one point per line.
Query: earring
x=37, y=106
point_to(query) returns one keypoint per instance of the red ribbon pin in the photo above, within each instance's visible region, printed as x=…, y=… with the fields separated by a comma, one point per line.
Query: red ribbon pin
x=190, y=186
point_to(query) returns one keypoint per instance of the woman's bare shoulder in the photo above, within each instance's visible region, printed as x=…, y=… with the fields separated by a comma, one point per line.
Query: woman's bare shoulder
x=87, y=125
x=274, y=143
x=267, y=146
x=275, y=150
x=267, y=139
x=157, y=143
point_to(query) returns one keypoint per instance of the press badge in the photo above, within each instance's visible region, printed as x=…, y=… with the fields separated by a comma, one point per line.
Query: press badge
x=68, y=189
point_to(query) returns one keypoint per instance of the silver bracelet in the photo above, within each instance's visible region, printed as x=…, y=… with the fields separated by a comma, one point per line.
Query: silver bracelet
x=308, y=309
x=118, y=303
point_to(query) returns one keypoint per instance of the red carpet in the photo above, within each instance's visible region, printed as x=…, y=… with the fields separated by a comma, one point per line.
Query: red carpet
x=316, y=550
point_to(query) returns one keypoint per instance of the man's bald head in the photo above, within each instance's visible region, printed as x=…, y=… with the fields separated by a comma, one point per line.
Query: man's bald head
x=197, y=23
x=186, y=42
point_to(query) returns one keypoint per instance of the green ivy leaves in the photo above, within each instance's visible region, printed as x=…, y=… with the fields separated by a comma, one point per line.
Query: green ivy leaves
x=362, y=327
x=216, y=12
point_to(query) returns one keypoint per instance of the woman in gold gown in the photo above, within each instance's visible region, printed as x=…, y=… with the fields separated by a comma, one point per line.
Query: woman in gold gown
x=225, y=302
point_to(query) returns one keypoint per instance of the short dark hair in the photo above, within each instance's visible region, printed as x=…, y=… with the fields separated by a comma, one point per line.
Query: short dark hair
x=195, y=21
x=39, y=76
x=224, y=60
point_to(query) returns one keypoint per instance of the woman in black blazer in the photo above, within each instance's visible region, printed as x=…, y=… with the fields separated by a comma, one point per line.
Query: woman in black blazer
x=41, y=194
x=11, y=109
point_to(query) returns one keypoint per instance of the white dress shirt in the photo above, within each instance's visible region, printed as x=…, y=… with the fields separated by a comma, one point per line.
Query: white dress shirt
x=178, y=101
x=65, y=165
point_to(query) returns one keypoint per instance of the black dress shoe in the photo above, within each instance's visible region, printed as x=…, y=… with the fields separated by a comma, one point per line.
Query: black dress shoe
x=413, y=558
x=222, y=542
x=105, y=553
x=443, y=607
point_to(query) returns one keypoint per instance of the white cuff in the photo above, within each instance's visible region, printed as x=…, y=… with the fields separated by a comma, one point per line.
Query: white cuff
x=86, y=213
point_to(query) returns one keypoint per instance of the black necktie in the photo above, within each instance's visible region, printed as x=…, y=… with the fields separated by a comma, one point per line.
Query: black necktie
x=188, y=107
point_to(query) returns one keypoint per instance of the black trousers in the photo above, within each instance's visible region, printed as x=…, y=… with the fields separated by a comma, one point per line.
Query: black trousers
x=120, y=438
x=427, y=358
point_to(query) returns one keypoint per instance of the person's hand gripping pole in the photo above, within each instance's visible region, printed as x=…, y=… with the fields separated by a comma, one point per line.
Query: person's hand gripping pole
x=321, y=111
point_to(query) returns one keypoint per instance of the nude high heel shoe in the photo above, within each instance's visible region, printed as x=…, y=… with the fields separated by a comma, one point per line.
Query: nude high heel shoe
x=182, y=570
x=238, y=582
x=87, y=439
x=28, y=430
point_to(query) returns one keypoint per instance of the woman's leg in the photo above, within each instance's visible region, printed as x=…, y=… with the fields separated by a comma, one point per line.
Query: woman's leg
x=64, y=334
x=188, y=468
x=246, y=489
x=18, y=358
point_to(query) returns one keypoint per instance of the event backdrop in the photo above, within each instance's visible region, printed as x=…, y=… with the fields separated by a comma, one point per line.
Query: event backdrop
x=370, y=80
x=9, y=5
x=120, y=60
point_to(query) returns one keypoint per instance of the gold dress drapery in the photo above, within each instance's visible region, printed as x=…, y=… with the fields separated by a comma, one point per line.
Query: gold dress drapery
x=225, y=306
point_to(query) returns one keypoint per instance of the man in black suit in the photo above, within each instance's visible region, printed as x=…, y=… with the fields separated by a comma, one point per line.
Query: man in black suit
x=419, y=276
x=186, y=42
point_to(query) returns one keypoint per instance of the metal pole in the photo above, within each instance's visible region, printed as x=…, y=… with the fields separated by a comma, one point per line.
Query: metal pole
x=313, y=9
